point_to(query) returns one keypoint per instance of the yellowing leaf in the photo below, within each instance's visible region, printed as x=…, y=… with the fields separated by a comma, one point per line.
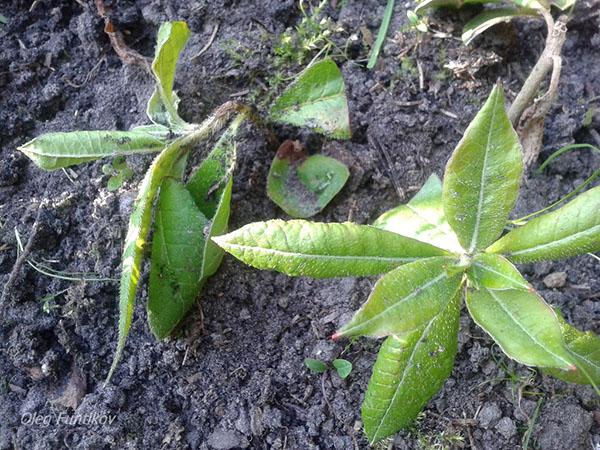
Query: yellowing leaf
x=322, y=250
x=483, y=175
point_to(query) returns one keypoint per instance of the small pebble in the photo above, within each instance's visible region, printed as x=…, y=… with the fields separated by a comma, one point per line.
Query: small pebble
x=555, y=280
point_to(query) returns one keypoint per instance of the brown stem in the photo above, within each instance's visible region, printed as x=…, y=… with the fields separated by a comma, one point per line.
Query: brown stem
x=549, y=60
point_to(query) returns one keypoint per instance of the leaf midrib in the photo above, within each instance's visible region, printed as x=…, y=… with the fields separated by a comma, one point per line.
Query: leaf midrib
x=556, y=242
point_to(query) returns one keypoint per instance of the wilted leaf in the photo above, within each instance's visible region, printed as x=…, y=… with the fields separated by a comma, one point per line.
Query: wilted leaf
x=573, y=229
x=521, y=323
x=409, y=371
x=343, y=367
x=488, y=19
x=303, y=185
x=406, y=299
x=322, y=250
x=422, y=218
x=316, y=100
x=57, y=150
x=483, y=176
x=162, y=106
x=314, y=365
x=177, y=248
x=585, y=350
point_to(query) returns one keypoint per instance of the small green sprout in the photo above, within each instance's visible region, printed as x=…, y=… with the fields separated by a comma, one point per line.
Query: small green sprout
x=188, y=211
x=343, y=367
x=444, y=247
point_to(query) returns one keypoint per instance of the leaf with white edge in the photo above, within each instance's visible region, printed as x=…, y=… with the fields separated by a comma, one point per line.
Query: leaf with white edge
x=495, y=272
x=482, y=178
x=322, y=250
x=162, y=106
x=422, y=218
x=405, y=299
x=158, y=131
x=316, y=100
x=571, y=230
x=522, y=324
x=488, y=19
x=177, y=248
x=585, y=349
x=408, y=372
x=53, y=151
x=303, y=185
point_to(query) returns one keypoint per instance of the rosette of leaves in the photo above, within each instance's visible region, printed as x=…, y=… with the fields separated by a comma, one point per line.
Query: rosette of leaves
x=444, y=247
x=184, y=212
x=502, y=11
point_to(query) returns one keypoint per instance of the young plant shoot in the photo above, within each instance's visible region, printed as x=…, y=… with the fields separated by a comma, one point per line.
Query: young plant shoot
x=443, y=247
x=189, y=211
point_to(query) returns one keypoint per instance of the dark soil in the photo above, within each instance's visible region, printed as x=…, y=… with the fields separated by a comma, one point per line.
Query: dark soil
x=234, y=377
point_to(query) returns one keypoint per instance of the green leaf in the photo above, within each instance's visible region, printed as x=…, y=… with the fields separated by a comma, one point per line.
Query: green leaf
x=584, y=347
x=448, y=4
x=53, y=151
x=520, y=321
x=314, y=365
x=343, y=367
x=573, y=229
x=483, y=175
x=422, y=218
x=495, y=272
x=316, y=100
x=409, y=371
x=563, y=4
x=322, y=250
x=177, y=248
x=303, y=185
x=488, y=19
x=158, y=131
x=162, y=106
x=182, y=255
x=139, y=226
x=406, y=299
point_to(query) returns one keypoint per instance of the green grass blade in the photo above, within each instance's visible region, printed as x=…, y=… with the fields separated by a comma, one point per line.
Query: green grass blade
x=381, y=34
x=322, y=250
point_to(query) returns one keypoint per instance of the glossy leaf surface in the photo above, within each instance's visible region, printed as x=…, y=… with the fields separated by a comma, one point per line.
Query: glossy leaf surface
x=488, y=19
x=483, y=176
x=406, y=299
x=316, y=100
x=322, y=250
x=422, y=218
x=573, y=229
x=53, y=151
x=408, y=372
x=303, y=185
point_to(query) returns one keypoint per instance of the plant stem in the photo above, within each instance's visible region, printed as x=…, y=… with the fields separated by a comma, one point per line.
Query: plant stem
x=549, y=60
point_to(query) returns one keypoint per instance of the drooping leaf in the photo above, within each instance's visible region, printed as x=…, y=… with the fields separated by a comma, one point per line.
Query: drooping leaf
x=573, y=229
x=422, y=218
x=187, y=216
x=488, y=19
x=314, y=365
x=322, y=250
x=162, y=106
x=303, y=185
x=495, y=272
x=343, y=367
x=408, y=372
x=483, y=176
x=316, y=100
x=406, y=299
x=53, y=151
x=519, y=320
x=158, y=131
x=177, y=249
x=585, y=350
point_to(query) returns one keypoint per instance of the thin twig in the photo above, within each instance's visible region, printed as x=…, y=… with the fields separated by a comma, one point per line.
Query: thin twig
x=390, y=167
x=23, y=256
x=207, y=45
